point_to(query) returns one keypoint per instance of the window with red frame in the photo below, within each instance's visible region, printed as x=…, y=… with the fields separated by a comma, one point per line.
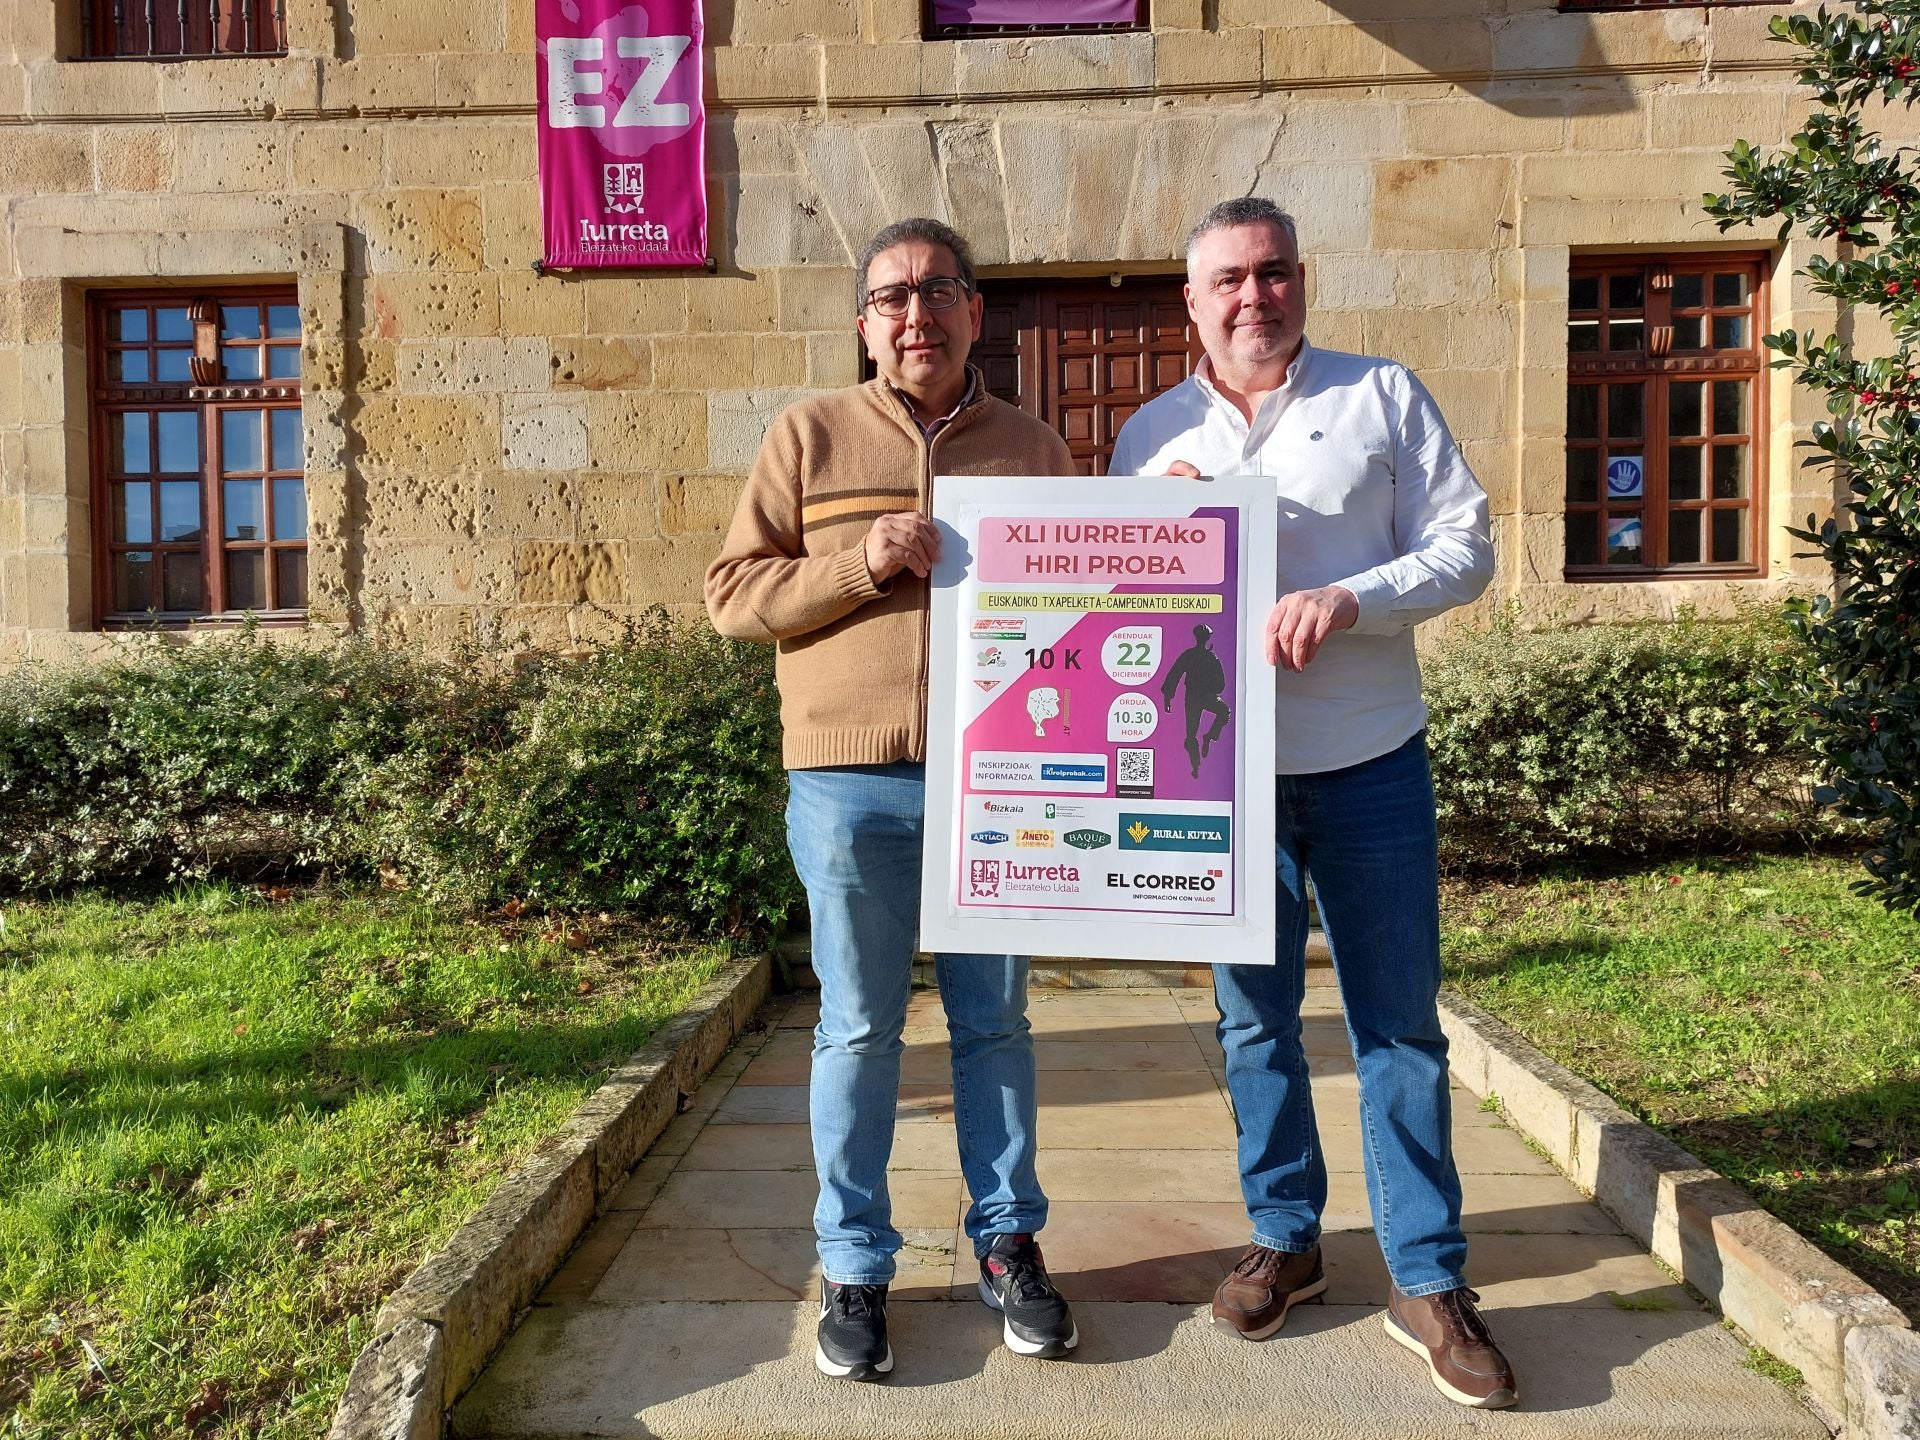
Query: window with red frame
x=181, y=29
x=200, y=493
x=958, y=19
x=1665, y=417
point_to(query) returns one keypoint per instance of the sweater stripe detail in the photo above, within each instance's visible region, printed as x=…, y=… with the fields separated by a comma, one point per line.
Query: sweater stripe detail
x=872, y=503
x=863, y=516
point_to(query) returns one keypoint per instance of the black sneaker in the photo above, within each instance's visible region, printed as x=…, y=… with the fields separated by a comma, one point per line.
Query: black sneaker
x=1013, y=1280
x=852, y=1342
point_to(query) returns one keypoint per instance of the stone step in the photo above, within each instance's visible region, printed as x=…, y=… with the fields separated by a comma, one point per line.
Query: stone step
x=743, y=1371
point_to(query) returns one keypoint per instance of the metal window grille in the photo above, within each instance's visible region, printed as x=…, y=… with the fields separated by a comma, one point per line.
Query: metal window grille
x=181, y=29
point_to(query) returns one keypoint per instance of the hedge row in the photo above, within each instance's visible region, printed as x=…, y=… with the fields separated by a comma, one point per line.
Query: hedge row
x=644, y=777
x=647, y=775
x=1610, y=740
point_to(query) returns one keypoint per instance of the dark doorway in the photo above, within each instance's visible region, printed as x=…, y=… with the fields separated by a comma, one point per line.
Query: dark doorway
x=1083, y=355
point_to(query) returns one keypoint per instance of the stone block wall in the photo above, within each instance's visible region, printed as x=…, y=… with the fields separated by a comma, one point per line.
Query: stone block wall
x=493, y=450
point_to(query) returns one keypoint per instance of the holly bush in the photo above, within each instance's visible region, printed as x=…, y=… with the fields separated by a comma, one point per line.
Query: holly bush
x=1837, y=180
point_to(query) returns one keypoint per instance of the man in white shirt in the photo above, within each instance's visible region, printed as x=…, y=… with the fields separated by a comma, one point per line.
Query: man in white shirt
x=1382, y=525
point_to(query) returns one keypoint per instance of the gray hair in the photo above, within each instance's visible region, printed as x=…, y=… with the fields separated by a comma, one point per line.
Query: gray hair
x=930, y=232
x=1241, y=210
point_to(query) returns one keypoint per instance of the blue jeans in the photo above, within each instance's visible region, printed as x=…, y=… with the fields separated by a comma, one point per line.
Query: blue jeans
x=1366, y=836
x=855, y=834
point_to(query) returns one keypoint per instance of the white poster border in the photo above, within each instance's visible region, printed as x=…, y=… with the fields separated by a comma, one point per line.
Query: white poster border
x=1249, y=939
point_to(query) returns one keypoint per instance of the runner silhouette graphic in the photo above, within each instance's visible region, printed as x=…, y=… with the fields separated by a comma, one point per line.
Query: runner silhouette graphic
x=1206, y=678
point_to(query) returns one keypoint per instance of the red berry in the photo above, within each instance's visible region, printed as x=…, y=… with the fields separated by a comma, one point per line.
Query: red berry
x=1869, y=397
x=1903, y=68
x=1893, y=288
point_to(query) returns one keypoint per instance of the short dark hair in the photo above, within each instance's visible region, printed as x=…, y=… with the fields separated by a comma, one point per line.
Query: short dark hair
x=1241, y=210
x=930, y=232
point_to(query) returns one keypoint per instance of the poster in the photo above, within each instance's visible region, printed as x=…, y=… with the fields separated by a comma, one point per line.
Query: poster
x=1100, y=719
x=622, y=132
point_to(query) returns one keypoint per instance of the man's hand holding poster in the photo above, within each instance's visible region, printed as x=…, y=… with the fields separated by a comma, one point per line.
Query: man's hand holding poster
x=1100, y=748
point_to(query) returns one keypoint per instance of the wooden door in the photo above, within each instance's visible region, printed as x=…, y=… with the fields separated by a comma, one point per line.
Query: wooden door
x=1083, y=355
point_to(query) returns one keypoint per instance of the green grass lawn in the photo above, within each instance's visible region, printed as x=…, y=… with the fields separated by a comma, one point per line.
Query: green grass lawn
x=1754, y=1011
x=229, y=1127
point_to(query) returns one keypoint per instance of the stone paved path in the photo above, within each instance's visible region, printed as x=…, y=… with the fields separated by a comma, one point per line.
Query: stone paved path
x=689, y=1309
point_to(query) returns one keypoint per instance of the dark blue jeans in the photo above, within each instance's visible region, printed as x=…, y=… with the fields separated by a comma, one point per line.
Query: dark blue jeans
x=855, y=833
x=1366, y=837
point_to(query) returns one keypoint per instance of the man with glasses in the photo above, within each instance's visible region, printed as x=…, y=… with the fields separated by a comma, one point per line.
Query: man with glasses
x=1382, y=526
x=828, y=558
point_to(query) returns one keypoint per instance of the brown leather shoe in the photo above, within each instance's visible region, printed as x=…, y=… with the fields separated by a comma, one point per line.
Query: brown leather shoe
x=1253, y=1301
x=1448, y=1333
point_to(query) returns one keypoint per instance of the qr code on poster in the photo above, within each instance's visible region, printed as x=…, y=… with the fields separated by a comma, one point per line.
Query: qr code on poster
x=1136, y=767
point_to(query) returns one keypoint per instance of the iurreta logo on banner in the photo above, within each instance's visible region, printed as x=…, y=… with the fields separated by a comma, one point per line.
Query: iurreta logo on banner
x=625, y=187
x=622, y=132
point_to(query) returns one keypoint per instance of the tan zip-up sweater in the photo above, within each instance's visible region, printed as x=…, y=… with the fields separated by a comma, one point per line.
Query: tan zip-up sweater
x=852, y=659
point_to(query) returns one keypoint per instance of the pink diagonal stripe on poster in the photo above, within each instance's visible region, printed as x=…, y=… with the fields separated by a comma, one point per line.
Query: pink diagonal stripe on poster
x=622, y=130
x=1035, y=12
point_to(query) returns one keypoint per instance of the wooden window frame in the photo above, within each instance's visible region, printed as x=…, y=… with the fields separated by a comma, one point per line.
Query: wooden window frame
x=210, y=394
x=168, y=30
x=1142, y=20
x=1657, y=366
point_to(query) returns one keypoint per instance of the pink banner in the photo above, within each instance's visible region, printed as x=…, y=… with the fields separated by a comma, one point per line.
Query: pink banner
x=1035, y=12
x=622, y=132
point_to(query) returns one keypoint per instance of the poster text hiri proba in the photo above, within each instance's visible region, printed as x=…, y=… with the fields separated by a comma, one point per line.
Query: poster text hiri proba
x=1163, y=541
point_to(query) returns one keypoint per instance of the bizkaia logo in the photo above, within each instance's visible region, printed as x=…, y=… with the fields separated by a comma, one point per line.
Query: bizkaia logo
x=1087, y=839
x=1205, y=883
x=988, y=837
x=996, y=807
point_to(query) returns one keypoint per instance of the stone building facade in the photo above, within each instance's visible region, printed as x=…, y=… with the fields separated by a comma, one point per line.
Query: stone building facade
x=489, y=449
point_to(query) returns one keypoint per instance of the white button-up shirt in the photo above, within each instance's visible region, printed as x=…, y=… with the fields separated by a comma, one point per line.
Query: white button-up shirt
x=1374, y=496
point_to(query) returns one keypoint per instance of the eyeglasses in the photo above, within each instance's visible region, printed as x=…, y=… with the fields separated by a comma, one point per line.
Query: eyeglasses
x=937, y=292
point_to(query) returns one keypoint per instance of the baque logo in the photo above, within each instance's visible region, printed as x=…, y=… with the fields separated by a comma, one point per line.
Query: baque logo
x=1176, y=832
x=988, y=837
x=1034, y=839
x=1087, y=839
